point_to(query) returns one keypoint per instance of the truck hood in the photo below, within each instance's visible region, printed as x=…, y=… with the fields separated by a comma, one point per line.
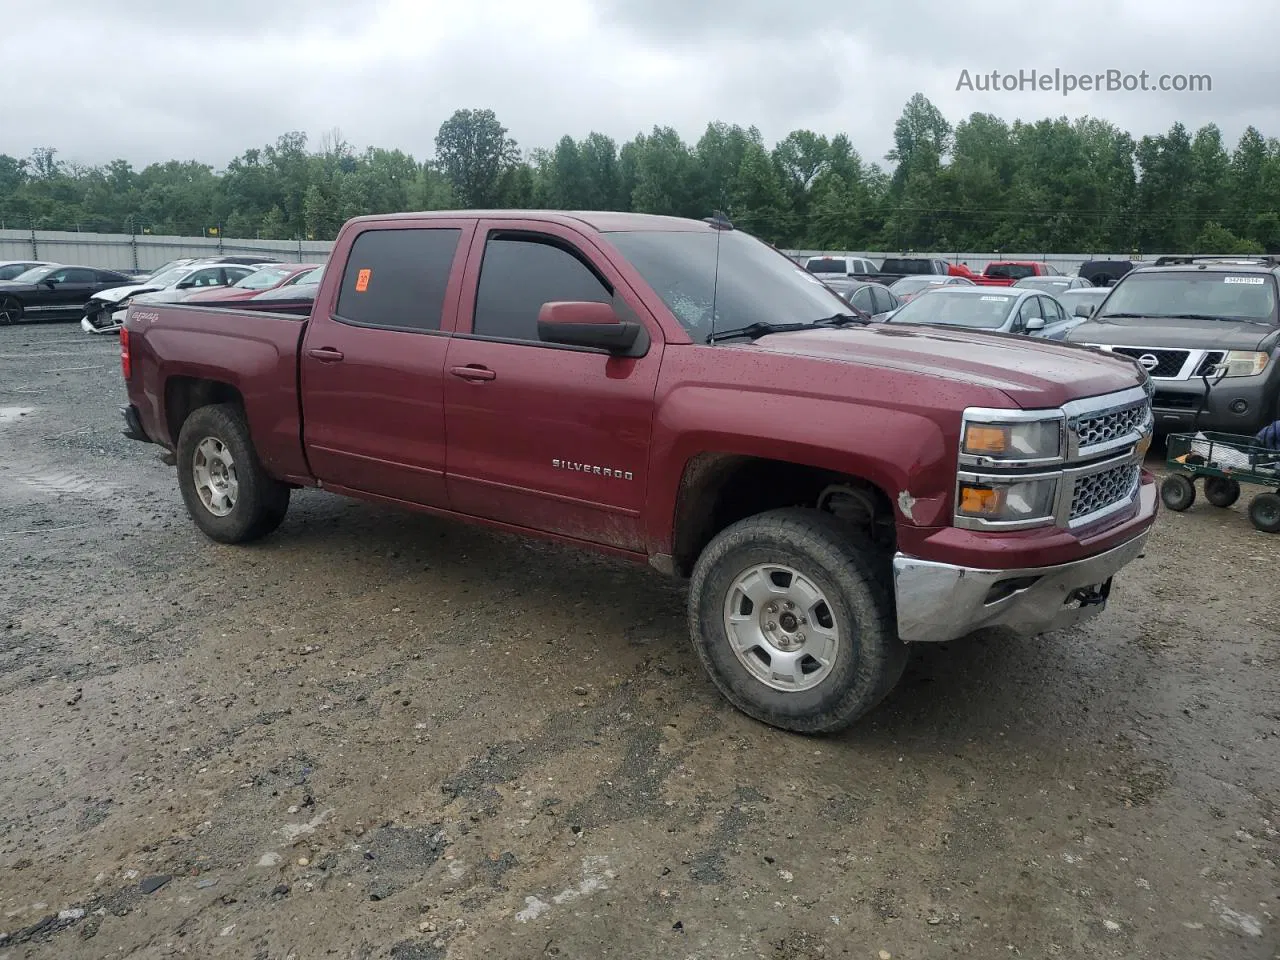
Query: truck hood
x=1032, y=373
x=1181, y=334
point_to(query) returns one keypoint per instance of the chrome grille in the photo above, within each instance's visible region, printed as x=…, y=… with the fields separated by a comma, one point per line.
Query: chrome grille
x=1091, y=431
x=1107, y=488
x=1168, y=362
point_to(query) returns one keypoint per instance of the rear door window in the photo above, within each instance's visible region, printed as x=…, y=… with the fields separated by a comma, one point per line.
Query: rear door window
x=397, y=278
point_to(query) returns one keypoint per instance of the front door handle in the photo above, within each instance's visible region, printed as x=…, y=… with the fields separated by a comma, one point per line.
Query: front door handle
x=474, y=373
x=325, y=354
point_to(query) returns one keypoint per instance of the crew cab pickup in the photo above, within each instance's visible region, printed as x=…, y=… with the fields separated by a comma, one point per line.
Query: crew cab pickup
x=895, y=268
x=673, y=392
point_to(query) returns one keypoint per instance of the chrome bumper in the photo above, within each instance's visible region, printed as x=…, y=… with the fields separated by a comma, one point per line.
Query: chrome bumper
x=939, y=602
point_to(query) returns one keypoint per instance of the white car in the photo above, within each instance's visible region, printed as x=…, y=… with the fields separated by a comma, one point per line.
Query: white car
x=106, y=311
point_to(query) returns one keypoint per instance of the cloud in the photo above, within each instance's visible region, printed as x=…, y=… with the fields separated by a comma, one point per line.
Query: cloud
x=149, y=80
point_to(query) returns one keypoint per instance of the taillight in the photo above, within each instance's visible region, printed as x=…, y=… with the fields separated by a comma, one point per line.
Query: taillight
x=126, y=365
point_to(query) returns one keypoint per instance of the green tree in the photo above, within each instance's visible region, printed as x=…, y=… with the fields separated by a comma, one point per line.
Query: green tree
x=1215, y=239
x=665, y=170
x=474, y=151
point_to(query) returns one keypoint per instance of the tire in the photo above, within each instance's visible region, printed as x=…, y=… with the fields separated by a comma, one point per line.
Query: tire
x=1264, y=512
x=228, y=494
x=1178, y=492
x=823, y=556
x=1221, y=491
x=10, y=311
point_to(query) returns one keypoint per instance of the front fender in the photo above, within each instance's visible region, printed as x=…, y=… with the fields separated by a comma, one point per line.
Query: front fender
x=904, y=453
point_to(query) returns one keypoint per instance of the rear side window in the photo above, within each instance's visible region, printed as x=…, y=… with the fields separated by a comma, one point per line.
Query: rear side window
x=1010, y=271
x=518, y=276
x=827, y=265
x=397, y=278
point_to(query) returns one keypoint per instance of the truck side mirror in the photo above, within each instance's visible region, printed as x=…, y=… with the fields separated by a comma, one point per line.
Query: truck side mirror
x=1083, y=310
x=586, y=323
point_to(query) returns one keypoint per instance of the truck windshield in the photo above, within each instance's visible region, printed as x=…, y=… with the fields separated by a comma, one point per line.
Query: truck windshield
x=1221, y=295
x=757, y=284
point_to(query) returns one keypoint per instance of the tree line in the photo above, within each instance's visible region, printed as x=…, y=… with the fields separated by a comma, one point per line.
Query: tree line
x=981, y=185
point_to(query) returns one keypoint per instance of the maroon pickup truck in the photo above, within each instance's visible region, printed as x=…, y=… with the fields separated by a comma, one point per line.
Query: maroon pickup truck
x=679, y=393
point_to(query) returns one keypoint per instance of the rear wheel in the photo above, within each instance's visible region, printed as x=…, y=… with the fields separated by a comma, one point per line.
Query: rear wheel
x=10, y=310
x=1264, y=511
x=792, y=615
x=1221, y=491
x=227, y=492
x=1178, y=492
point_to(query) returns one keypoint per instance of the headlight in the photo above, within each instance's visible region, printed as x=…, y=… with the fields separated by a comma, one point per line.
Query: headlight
x=1243, y=363
x=1011, y=501
x=1030, y=440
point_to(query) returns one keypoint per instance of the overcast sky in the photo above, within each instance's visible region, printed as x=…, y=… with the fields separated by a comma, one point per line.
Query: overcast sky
x=151, y=80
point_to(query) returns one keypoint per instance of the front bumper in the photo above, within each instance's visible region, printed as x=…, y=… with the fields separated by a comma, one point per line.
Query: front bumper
x=1235, y=405
x=939, y=602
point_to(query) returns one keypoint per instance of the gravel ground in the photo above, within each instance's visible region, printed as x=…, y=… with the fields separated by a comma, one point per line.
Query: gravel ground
x=383, y=735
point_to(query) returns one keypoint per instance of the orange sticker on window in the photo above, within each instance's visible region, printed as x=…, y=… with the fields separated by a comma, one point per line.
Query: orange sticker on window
x=362, y=280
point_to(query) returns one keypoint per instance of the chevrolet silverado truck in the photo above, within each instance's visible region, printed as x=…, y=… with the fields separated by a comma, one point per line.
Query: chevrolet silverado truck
x=674, y=392
x=1207, y=331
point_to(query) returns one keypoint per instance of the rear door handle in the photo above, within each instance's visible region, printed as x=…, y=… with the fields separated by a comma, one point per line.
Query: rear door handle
x=325, y=354
x=474, y=373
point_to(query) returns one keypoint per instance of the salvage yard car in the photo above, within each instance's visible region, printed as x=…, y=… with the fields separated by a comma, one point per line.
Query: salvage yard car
x=275, y=276
x=1012, y=310
x=104, y=313
x=54, y=291
x=673, y=392
x=874, y=299
x=1198, y=318
x=11, y=268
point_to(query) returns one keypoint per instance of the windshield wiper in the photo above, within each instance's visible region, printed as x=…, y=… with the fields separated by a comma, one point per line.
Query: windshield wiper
x=763, y=328
x=756, y=330
x=1120, y=316
x=841, y=320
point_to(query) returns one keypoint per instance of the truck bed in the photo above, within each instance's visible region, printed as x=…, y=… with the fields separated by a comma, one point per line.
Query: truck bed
x=254, y=350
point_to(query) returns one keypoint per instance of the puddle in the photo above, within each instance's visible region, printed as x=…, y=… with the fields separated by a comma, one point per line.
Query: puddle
x=10, y=414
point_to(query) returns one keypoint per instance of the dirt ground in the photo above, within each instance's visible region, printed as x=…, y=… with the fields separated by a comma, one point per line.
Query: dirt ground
x=383, y=735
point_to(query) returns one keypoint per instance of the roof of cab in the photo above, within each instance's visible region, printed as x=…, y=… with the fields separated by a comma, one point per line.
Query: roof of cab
x=603, y=221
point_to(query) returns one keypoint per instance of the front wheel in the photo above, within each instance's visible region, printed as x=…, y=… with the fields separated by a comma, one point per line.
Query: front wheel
x=10, y=310
x=1264, y=511
x=229, y=495
x=791, y=613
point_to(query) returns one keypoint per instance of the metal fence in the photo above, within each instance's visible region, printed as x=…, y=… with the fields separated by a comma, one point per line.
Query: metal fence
x=144, y=251
x=121, y=251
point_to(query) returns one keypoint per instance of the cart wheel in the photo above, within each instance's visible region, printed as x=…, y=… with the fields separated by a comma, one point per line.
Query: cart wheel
x=1178, y=492
x=1265, y=512
x=1221, y=491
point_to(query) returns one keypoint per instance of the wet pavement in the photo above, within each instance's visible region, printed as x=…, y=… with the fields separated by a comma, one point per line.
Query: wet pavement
x=385, y=735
